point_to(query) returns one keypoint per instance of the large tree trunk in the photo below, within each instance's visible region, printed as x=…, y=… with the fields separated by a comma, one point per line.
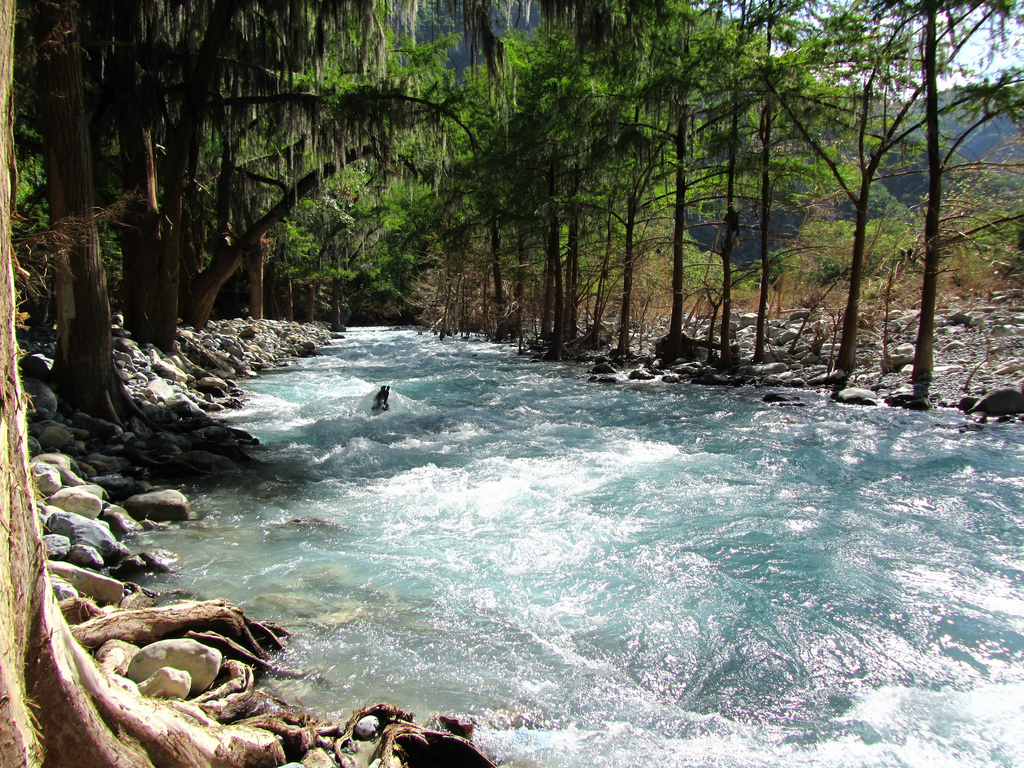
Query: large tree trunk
x=83, y=309
x=56, y=708
x=924, y=353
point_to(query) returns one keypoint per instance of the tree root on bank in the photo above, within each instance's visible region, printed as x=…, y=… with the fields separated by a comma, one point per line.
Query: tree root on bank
x=255, y=729
x=147, y=625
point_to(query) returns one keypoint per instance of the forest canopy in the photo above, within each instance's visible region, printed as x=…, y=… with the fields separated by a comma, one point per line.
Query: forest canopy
x=580, y=173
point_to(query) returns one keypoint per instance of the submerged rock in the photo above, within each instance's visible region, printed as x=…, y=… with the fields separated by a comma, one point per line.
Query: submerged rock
x=856, y=396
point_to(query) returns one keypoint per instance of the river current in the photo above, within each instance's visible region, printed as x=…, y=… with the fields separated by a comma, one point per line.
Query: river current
x=637, y=574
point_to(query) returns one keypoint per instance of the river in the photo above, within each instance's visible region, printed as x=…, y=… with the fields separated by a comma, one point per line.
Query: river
x=621, y=575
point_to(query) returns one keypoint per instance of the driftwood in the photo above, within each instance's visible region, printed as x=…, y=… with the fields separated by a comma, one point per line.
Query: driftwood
x=296, y=731
x=78, y=610
x=401, y=743
x=145, y=626
x=233, y=650
x=236, y=697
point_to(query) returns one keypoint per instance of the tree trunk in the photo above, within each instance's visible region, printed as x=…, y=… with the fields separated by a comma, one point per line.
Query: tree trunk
x=289, y=300
x=924, y=353
x=847, y=358
x=766, y=211
x=255, y=268
x=555, y=259
x=627, y=280
x=500, y=308
x=311, y=302
x=270, y=305
x=572, y=279
x=83, y=308
x=732, y=228
x=674, y=343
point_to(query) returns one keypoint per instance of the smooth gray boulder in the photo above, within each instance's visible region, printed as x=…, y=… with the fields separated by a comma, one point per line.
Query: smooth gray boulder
x=54, y=436
x=57, y=547
x=82, y=530
x=84, y=557
x=1002, y=402
x=159, y=505
x=67, y=469
x=40, y=395
x=200, y=661
x=61, y=589
x=78, y=500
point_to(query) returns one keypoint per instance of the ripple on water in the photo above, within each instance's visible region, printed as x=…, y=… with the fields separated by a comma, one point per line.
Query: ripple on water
x=626, y=576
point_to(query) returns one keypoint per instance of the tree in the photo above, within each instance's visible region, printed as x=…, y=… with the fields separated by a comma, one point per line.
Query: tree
x=856, y=75
x=960, y=23
x=83, y=311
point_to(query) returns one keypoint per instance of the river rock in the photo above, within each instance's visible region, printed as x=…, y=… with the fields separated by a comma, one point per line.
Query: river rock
x=84, y=557
x=1002, y=402
x=166, y=683
x=317, y=758
x=62, y=590
x=83, y=530
x=54, y=436
x=212, y=385
x=605, y=368
x=57, y=546
x=366, y=729
x=37, y=367
x=640, y=375
x=102, y=589
x=119, y=520
x=159, y=505
x=200, y=661
x=116, y=487
x=64, y=465
x=40, y=396
x=78, y=500
x=856, y=396
x=97, y=428
x=46, y=477
x=205, y=461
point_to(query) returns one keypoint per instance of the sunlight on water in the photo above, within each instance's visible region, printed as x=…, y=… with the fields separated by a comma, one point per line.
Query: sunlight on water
x=638, y=574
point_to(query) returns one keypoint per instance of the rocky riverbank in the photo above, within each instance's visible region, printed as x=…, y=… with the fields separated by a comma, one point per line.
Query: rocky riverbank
x=979, y=360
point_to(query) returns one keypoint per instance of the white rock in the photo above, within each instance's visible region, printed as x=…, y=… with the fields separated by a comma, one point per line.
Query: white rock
x=166, y=683
x=63, y=465
x=200, y=661
x=77, y=500
x=47, y=478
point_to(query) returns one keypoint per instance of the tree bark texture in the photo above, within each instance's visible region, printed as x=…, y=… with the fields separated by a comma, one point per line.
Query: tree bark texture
x=83, y=309
x=924, y=352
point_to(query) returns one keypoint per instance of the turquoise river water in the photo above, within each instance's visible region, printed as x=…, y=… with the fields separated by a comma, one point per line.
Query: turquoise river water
x=625, y=575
